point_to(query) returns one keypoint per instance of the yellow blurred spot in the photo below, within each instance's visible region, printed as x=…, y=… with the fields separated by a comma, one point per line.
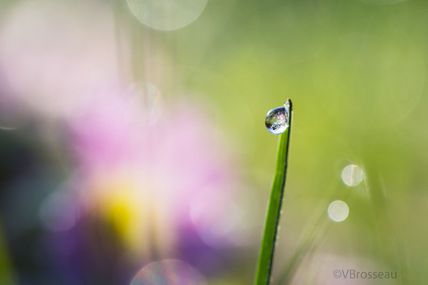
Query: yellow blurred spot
x=136, y=213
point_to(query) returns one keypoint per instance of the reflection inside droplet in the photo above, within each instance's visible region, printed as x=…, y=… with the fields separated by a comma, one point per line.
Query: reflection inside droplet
x=277, y=119
x=352, y=175
x=338, y=211
x=168, y=272
x=167, y=15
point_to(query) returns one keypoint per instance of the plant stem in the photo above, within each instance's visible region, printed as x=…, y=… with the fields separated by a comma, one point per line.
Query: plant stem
x=267, y=249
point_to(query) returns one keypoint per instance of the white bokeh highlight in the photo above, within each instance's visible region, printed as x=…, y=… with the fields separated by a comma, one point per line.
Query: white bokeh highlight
x=352, y=175
x=167, y=15
x=338, y=211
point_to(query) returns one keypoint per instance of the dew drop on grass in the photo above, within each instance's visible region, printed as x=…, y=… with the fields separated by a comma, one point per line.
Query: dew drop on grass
x=277, y=119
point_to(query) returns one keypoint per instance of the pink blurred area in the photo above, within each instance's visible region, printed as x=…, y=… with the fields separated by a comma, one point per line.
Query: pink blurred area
x=55, y=54
x=140, y=166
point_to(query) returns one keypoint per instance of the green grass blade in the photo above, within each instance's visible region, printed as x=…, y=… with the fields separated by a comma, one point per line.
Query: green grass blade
x=6, y=277
x=267, y=250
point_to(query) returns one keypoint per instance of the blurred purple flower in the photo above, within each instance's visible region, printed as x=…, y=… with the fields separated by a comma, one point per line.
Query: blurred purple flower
x=151, y=182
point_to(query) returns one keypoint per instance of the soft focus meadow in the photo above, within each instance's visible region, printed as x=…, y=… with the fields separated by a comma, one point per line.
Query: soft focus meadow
x=133, y=148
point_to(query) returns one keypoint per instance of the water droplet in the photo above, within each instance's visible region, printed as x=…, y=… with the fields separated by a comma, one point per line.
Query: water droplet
x=338, y=211
x=168, y=272
x=352, y=175
x=277, y=119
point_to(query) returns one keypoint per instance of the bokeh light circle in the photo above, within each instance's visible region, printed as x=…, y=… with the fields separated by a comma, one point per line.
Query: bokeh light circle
x=352, y=175
x=167, y=15
x=338, y=211
x=168, y=272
